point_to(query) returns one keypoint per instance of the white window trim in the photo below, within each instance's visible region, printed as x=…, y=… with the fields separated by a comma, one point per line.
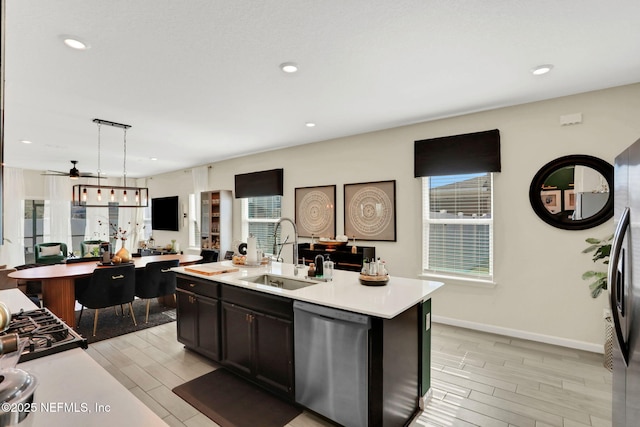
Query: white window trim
x=481, y=281
x=465, y=280
x=193, y=226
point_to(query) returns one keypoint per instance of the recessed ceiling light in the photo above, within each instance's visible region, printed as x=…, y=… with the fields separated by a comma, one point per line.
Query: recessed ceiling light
x=153, y=158
x=310, y=124
x=25, y=141
x=541, y=69
x=74, y=42
x=289, y=67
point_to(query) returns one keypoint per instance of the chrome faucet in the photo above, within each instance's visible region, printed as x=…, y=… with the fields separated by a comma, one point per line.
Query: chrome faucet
x=295, y=241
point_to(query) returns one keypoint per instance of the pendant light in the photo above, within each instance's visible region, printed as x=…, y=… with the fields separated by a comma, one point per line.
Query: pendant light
x=117, y=194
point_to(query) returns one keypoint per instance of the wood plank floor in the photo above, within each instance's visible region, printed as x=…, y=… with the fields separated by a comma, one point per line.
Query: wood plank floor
x=478, y=379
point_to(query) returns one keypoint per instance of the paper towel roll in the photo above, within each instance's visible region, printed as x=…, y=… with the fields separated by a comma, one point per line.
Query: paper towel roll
x=252, y=250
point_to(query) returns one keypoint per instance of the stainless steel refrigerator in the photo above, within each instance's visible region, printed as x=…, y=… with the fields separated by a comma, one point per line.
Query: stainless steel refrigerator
x=624, y=289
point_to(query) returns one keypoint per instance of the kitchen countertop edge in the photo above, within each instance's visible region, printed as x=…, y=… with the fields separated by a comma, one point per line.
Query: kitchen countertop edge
x=343, y=292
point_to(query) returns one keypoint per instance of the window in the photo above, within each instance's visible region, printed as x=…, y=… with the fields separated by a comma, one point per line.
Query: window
x=259, y=217
x=33, y=227
x=194, y=227
x=78, y=223
x=146, y=221
x=458, y=225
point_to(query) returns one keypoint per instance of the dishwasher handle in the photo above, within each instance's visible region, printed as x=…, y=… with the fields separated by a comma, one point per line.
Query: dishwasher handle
x=332, y=313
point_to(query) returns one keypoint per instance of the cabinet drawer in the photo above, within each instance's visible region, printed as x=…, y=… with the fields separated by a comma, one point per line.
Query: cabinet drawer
x=264, y=303
x=200, y=287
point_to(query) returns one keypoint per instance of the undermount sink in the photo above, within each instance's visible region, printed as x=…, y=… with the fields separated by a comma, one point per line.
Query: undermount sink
x=282, y=282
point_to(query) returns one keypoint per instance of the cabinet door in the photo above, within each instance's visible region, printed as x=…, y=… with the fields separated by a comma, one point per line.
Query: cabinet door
x=236, y=337
x=187, y=315
x=208, y=326
x=273, y=351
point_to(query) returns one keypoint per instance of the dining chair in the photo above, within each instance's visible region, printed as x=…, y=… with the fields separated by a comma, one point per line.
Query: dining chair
x=208, y=255
x=155, y=280
x=107, y=287
x=91, y=247
x=50, y=252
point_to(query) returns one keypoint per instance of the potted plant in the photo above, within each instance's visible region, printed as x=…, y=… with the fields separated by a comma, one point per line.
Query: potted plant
x=601, y=249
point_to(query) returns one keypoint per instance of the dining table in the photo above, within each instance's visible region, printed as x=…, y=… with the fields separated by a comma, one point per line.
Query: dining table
x=58, y=280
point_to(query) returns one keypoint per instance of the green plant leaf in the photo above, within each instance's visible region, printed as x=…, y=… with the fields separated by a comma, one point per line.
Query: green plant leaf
x=601, y=249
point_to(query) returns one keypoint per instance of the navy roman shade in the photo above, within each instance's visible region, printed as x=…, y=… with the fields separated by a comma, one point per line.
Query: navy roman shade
x=259, y=184
x=458, y=154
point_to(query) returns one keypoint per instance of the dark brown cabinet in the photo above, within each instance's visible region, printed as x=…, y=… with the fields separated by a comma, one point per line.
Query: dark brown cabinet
x=273, y=355
x=198, y=316
x=237, y=337
x=257, y=337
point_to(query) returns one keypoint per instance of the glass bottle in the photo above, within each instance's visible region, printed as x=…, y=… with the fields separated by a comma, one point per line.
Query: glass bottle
x=365, y=267
x=328, y=269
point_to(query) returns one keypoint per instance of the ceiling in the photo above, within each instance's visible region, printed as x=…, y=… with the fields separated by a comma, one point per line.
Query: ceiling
x=199, y=80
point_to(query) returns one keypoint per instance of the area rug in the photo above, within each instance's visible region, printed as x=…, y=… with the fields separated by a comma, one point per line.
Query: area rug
x=111, y=325
x=233, y=402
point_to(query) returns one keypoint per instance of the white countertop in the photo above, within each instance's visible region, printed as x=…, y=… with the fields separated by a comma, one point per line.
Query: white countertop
x=343, y=292
x=75, y=389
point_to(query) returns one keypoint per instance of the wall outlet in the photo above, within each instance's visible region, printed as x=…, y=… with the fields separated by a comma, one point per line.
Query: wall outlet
x=427, y=322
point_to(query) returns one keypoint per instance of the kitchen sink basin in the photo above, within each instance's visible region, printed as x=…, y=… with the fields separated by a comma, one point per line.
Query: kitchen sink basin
x=283, y=282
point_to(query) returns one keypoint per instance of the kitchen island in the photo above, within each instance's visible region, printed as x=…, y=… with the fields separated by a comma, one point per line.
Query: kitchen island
x=74, y=390
x=253, y=325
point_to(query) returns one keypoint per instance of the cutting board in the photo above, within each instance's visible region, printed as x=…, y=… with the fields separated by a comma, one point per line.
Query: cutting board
x=210, y=270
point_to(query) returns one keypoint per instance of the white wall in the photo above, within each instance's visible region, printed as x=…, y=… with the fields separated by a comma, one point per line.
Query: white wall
x=539, y=292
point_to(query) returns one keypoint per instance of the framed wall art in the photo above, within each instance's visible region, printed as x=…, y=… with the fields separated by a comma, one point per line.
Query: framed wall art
x=370, y=210
x=569, y=200
x=552, y=200
x=316, y=211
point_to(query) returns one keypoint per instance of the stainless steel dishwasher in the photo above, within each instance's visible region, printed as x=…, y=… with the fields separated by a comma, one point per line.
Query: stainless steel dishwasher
x=332, y=362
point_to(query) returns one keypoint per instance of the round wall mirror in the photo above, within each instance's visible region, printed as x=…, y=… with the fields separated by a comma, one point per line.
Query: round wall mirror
x=573, y=192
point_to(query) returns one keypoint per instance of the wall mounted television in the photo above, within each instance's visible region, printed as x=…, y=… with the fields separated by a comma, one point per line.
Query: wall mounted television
x=164, y=213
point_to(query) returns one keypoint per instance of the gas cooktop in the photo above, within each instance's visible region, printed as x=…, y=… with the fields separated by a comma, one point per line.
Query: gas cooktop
x=45, y=332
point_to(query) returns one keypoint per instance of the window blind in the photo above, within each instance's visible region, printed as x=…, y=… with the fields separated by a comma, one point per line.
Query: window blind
x=261, y=216
x=458, y=225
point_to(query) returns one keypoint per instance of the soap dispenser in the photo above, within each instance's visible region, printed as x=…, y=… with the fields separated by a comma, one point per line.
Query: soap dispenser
x=328, y=269
x=319, y=262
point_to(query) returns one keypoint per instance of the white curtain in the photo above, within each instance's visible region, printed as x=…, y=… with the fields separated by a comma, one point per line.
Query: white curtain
x=57, y=210
x=137, y=233
x=200, y=177
x=12, y=249
x=97, y=224
x=131, y=220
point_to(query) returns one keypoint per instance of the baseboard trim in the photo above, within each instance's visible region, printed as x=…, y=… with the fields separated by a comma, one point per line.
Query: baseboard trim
x=516, y=333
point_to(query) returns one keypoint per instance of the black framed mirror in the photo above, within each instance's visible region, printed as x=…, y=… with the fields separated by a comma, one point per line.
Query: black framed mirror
x=573, y=192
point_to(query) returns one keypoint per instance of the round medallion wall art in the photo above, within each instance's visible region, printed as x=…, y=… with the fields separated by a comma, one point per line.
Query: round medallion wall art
x=370, y=211
x=316, y=213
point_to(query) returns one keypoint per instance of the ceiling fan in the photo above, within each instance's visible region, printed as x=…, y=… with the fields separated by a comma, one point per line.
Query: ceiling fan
x=73, y=173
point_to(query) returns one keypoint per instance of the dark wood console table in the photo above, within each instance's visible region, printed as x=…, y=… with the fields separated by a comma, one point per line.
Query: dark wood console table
x=340, y=255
